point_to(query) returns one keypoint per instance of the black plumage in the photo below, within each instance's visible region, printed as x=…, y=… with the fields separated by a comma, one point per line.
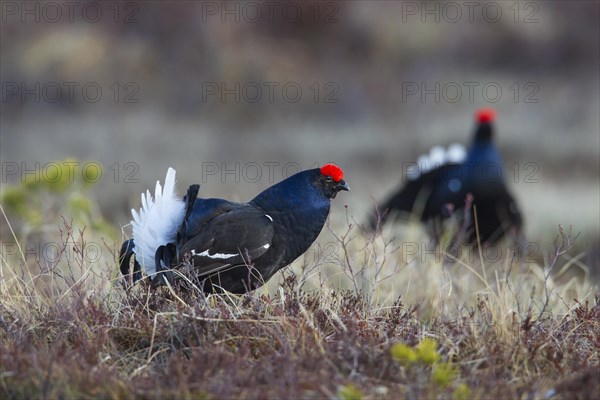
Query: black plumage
x=239, y=246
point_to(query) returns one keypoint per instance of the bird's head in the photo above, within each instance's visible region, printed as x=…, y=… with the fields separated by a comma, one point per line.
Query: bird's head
x=330, y=180
x=485, y=118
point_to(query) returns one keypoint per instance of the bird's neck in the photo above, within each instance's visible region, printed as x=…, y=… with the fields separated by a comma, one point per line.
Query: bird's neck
x=298, y=211
x=483, y=150
x=485, y=164
x=295, y=194
x=306, y=200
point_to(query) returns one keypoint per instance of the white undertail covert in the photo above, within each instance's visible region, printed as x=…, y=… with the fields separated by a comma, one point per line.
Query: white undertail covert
x=157, y=222
x=438, y=156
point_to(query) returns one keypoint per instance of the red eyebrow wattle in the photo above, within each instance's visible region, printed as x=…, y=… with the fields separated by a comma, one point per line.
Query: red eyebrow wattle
x=485, y=115
x=334, y=171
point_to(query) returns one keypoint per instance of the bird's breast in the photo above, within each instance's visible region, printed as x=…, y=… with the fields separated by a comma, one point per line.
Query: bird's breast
x=295, y=232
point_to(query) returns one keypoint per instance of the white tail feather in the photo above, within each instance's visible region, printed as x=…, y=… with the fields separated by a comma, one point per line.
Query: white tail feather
x=456, y=153
x=437, y=157
x=157, y=222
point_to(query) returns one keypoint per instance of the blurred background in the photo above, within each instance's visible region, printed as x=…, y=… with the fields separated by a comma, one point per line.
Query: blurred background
x=238, y=95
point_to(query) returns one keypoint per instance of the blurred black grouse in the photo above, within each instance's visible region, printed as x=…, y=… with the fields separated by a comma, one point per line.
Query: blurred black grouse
x=440, y=184
x=235, y=247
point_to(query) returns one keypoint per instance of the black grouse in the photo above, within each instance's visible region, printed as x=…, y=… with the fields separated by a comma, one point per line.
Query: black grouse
x=230, y=246
x=440, y=184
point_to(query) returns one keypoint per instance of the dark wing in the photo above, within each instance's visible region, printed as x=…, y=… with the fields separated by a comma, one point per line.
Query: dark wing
x=200, y=212
x=421, y=196
x=235, y=237
x=450, y=188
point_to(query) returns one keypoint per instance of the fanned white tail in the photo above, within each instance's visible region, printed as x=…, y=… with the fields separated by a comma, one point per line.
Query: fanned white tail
x=157, y=222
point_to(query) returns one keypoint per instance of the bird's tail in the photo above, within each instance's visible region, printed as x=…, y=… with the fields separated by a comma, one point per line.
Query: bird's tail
x=128, y=251
x=157, y=222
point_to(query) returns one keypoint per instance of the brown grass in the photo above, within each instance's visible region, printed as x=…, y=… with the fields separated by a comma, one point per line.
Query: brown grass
x=324, y=329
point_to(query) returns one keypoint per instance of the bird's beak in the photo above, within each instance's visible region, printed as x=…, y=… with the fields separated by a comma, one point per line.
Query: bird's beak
x=342, y=185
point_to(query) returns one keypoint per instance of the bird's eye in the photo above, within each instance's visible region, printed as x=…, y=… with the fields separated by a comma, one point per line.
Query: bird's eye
x=328, y=178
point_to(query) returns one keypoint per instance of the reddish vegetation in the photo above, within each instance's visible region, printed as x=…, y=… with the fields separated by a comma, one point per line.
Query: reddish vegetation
x=288, y=346
x=69, y=330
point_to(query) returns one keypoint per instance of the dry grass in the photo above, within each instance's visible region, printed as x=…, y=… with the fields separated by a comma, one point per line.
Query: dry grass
x=508, y=328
